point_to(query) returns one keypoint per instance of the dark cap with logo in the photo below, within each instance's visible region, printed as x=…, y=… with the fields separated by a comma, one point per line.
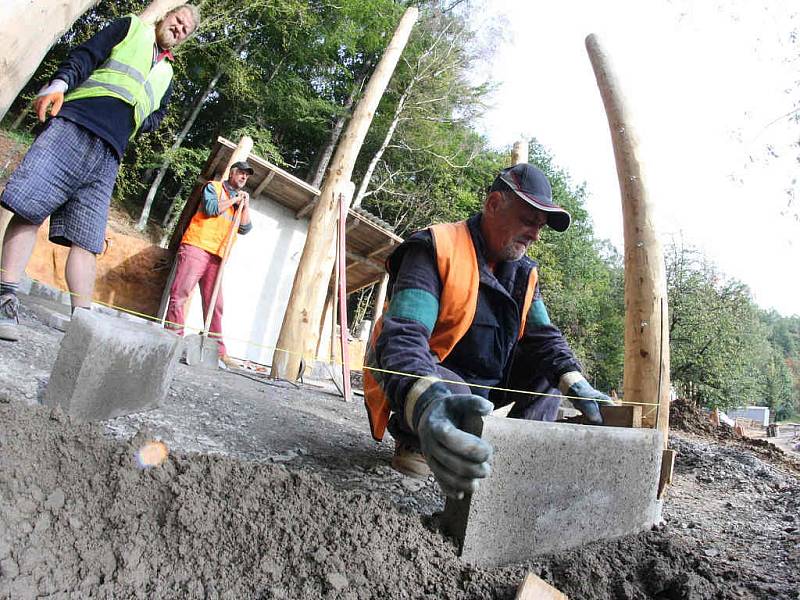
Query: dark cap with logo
x=242, y=166
x=530, y=184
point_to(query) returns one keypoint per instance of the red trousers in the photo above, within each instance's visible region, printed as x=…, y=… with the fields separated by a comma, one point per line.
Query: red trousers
x=195, y=266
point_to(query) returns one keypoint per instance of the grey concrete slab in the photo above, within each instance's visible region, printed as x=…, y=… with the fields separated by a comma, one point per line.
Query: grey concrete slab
x=107, y=367
x=201, y=351
x=554, y=487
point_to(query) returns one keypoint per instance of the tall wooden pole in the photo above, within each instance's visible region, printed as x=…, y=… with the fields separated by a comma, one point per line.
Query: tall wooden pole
x=29, y=28
x=646, y=376
x=298, y=336
x=155, y=11
x=519, y=153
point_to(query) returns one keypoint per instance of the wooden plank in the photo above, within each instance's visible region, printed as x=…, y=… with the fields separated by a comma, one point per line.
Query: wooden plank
x=667, y=467
x=536, y=588
x=264, y=183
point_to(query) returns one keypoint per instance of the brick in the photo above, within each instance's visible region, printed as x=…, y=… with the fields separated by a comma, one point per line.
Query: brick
x=107, y=367
x=554, y=487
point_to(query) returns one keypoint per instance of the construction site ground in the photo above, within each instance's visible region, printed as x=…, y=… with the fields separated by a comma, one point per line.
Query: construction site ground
x=277, y=490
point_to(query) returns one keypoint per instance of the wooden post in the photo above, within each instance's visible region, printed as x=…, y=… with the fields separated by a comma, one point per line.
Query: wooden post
x=28, y=29
x=519, y=153
x=25, y=45
x=646, y=377
x=299, y=331
x=156, y=10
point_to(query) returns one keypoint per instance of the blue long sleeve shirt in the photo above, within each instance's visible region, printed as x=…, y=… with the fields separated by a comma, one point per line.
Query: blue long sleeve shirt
x=108, y=118
x=211, y=204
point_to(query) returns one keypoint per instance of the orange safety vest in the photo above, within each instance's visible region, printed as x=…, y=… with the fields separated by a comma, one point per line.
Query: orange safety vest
x=211, y=233
x=457, y=263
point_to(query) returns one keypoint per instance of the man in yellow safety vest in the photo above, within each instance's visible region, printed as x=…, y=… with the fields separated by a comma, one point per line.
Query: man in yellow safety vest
x=113, y=86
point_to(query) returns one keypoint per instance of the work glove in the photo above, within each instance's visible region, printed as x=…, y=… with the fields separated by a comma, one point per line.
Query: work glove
x=52, y=94
x=583, y=396
x=458, y=459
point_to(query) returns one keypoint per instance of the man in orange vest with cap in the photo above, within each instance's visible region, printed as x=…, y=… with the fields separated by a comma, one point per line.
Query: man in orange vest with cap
x=203, y=246
x=465, y=314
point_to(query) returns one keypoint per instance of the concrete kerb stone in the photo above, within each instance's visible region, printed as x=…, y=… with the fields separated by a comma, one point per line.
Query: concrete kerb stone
x=554, y=487
x=107, y=367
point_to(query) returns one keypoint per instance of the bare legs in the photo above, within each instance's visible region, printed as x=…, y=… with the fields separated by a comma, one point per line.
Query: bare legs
x=18, y=244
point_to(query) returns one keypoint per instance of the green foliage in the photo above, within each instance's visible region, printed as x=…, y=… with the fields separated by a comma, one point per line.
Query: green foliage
x=581, y=281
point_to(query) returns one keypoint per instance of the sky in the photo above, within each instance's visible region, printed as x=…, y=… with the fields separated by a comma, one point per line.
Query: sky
x=707, y=83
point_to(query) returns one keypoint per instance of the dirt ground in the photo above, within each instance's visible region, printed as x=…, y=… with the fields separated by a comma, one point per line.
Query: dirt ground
x=273, y=490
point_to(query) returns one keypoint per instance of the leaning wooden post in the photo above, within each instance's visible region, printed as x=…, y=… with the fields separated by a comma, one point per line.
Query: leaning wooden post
x=299, y=331
x=25, y=45
x=28, y=30
x=519, y=153
x=646, y=376
x=156, y=10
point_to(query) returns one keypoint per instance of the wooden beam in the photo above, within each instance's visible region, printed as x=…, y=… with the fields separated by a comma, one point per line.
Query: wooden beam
x=536, y=588
x=646, y=377
x=298, y=335
x=370, y=262
x=212, y=167
x=382, y=249
x=264, y=183
x=309, y=206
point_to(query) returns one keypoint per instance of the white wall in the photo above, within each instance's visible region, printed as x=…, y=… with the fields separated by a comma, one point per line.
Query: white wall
x=257, y=282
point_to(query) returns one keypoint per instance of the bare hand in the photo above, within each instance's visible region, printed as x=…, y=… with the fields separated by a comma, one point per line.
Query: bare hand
x=42, y=103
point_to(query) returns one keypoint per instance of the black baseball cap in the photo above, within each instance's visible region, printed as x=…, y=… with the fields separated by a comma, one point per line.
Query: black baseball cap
x=243, y=166
x=530, y=184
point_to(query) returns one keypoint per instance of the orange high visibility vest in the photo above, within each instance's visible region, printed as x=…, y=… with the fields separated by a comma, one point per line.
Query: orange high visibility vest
x=211, y=233
x=457, y=263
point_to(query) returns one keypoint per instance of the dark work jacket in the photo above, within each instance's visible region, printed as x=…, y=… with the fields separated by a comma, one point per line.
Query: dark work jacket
x=484, y=355
x=108, y=118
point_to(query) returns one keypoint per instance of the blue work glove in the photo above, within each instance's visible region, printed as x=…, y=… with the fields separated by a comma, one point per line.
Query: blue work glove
x=583, y=396
x=458, y=459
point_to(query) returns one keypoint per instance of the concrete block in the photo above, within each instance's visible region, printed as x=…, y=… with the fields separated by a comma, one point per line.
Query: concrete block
x=107, y=367
x=201, y=352
x=554, y=487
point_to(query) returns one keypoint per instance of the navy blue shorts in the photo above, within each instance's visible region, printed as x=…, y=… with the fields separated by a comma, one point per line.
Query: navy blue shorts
x=68, y=175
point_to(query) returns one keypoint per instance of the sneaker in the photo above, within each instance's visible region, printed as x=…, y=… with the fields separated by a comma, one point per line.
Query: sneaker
x=230, y=362
x=9, y=317
x=410, y=461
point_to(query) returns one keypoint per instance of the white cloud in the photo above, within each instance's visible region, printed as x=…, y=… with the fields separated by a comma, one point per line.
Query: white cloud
x=703, y=82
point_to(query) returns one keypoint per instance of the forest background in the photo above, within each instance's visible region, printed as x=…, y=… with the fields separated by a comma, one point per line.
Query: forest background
x=289, y=72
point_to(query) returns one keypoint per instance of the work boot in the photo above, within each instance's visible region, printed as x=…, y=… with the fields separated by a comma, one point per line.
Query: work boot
x=410, y=461
x=9, y=317
x=229, y=362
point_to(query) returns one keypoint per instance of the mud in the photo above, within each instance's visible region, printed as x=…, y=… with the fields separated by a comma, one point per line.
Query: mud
x=277, y=491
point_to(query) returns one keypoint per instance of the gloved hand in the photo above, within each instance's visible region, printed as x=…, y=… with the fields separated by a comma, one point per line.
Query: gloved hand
x=50, y=94
x=458, y=459
x=587, y=396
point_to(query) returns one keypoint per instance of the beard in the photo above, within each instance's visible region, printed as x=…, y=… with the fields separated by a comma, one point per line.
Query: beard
x=513, y=251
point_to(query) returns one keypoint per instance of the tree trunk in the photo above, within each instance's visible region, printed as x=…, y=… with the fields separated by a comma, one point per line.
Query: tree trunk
x=646, y=379
x=398, y=111
x=162, y=170
x=28, y=30
x=299, y=331
x=324, y=156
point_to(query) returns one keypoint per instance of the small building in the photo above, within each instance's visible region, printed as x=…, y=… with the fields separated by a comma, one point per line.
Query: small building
x=757, y=414
x=258, y=277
